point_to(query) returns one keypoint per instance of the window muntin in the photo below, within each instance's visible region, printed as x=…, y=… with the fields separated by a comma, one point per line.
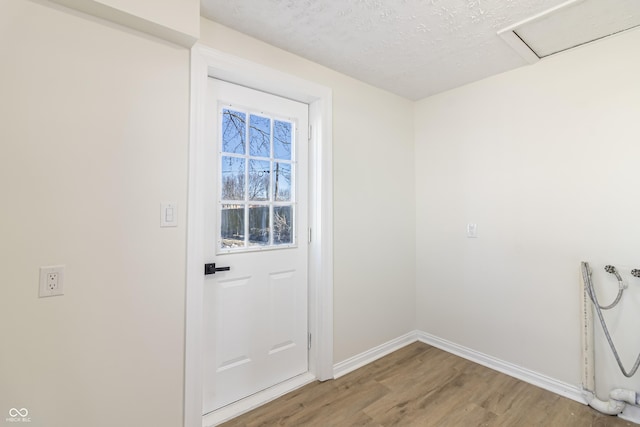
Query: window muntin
x=257, y=205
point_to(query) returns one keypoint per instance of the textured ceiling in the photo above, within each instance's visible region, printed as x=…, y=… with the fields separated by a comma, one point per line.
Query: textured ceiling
x=414, y=48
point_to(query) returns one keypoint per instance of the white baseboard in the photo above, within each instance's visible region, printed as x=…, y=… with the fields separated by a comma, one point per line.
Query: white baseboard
x=561, y=388
x=631, y=413
x=342, y=368
x=558, y=387
x=247, y=404
x=359, y=360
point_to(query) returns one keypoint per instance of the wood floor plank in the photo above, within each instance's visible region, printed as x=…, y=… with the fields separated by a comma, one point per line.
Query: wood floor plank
x=420, y=385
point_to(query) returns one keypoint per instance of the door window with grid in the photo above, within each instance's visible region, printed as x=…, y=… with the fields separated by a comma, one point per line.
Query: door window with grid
x=257, y=180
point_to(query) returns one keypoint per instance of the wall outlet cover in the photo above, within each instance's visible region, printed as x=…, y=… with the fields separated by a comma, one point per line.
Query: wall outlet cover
x=51, y=281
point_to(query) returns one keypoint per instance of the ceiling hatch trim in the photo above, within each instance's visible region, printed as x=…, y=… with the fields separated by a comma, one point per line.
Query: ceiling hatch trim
x=568, y=25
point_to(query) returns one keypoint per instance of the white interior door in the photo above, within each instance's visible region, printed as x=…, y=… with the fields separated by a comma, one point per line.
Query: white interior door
x=254, y=314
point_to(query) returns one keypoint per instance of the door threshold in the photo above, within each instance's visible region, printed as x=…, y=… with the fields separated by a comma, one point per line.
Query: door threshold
x=240, y=407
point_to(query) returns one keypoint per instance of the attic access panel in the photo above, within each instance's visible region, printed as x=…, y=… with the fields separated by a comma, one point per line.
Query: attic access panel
x=570, y=24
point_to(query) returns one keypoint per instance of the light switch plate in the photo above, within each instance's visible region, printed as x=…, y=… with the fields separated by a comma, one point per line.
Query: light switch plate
x=472, y=231
x=168, y=214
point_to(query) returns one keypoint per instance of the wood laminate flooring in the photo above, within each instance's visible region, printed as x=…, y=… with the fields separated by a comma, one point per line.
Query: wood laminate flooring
x=420, y=385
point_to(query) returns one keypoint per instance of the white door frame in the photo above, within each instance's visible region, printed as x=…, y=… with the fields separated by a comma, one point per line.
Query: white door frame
x=205, y=63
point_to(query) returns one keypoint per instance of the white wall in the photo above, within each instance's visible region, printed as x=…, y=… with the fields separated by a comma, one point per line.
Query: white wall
x=93, y=135
x=181, y=15
x=373, y=197
x=545, y=160
x=175, y=20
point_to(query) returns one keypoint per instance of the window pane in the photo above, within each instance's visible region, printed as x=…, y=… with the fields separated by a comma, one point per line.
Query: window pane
x=232, y=226
x=258, y=225
x=282, y=181
x=259, y=136
x=259, y=180
x=282, y=140
x=232, y=178
x=233, y=131
x=282, y=225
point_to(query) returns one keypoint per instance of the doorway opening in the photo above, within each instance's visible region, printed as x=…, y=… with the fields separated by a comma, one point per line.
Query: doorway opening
x=206, y=63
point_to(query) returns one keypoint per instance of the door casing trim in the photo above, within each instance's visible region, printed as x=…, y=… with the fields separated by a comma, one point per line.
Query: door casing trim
x=207, y=62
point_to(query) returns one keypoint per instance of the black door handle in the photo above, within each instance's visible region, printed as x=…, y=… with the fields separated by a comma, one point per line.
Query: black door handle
x=211, y=268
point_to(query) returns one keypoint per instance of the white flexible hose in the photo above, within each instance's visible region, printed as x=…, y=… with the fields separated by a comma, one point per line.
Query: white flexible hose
x=586, y=274
x=618, y=398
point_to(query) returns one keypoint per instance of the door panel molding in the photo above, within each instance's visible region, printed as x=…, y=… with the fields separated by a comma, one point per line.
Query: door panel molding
x=255, y=336
x=205, y=63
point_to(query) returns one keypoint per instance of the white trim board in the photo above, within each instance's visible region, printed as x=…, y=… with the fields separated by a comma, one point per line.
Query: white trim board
x=245, y=405
x=351, y=364
x=364, y=358
x=205, y=63
x=558, y=387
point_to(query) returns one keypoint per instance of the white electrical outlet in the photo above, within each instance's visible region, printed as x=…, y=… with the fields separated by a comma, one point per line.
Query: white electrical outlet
x=51, y=281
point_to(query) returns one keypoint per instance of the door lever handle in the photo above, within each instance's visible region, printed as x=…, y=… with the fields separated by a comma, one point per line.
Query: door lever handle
x=211, y=268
